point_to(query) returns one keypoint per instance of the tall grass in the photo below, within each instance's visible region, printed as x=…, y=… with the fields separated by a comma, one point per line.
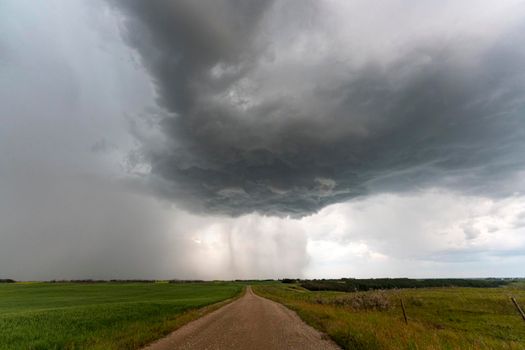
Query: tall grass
x=438, y=318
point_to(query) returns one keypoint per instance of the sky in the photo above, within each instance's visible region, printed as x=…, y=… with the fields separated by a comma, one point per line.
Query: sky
x=229, y=139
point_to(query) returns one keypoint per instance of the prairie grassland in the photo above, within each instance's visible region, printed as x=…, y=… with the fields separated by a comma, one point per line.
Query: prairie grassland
x=438, y=318
x=100, y=315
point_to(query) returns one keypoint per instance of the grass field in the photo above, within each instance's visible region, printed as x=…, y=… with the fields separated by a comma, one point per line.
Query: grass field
x=100, y=315
x=438, y=318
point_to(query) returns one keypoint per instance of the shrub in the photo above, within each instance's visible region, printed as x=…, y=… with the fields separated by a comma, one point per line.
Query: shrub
x=379, y=300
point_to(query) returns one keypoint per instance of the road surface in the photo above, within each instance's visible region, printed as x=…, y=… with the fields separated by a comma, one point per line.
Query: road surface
x=251, y=323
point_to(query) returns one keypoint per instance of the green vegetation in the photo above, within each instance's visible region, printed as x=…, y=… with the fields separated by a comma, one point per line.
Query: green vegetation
x=353, y=285
x=438, y=318
x=100, y=315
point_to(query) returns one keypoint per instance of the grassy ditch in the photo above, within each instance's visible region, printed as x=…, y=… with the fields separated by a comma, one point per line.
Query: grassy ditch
x=438, y=318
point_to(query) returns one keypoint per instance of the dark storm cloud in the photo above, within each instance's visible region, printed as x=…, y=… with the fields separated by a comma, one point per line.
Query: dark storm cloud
x=267, y=111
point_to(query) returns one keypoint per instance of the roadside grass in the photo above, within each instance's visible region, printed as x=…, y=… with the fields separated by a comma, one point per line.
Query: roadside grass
x=438, y=318
x=101, y=315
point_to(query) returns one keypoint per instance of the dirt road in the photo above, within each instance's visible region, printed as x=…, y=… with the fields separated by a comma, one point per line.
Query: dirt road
x=251, y=323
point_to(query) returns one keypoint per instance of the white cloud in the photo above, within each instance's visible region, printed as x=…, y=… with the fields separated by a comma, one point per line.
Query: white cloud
x=251, y=246
x=419, y=234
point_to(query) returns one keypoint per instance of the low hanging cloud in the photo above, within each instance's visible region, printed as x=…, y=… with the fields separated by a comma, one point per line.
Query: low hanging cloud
x=64, y=227
x=284, y=107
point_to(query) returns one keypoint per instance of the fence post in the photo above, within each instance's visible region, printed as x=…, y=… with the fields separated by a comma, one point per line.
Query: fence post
x=518, y=307
x=404, y=312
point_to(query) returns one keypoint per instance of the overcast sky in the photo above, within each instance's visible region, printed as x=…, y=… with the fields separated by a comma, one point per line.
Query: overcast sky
x=220, y=139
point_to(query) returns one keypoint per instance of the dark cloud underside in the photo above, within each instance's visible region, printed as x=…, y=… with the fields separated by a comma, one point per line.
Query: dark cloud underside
x=267, y=111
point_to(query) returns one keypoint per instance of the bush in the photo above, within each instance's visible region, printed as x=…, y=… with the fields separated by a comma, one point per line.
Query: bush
x=362, y=301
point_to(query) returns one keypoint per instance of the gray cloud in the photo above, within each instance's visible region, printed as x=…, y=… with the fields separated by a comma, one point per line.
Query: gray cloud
x=68, y=226
x=68, y=207
x=280, y=107
x=266, y=105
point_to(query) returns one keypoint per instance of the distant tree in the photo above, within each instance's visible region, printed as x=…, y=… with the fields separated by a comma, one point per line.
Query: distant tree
x=288, y=280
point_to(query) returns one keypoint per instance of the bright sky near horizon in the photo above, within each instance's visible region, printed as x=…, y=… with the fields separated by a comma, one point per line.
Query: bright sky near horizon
x=222, y=139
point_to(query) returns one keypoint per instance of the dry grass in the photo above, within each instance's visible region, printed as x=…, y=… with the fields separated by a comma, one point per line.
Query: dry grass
x=377, y=300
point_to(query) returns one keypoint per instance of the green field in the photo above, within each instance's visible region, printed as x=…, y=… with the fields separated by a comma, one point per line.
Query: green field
x=130, y=315
x=438, y=318
x=100, y=315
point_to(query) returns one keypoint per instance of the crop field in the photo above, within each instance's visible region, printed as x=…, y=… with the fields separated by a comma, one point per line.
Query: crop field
x=438, y=318
x=100, y=315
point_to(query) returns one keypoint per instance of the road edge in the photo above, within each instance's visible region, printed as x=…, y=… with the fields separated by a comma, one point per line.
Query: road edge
x=324, y=335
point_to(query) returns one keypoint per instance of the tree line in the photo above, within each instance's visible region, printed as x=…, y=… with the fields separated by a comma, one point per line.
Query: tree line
x=354, y=285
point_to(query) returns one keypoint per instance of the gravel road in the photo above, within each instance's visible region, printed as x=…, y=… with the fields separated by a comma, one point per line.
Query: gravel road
x=251, y=323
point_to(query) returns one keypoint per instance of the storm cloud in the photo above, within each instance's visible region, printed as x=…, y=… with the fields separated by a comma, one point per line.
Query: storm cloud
x=72, y=205
x=261, y=139
x=285, y=107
